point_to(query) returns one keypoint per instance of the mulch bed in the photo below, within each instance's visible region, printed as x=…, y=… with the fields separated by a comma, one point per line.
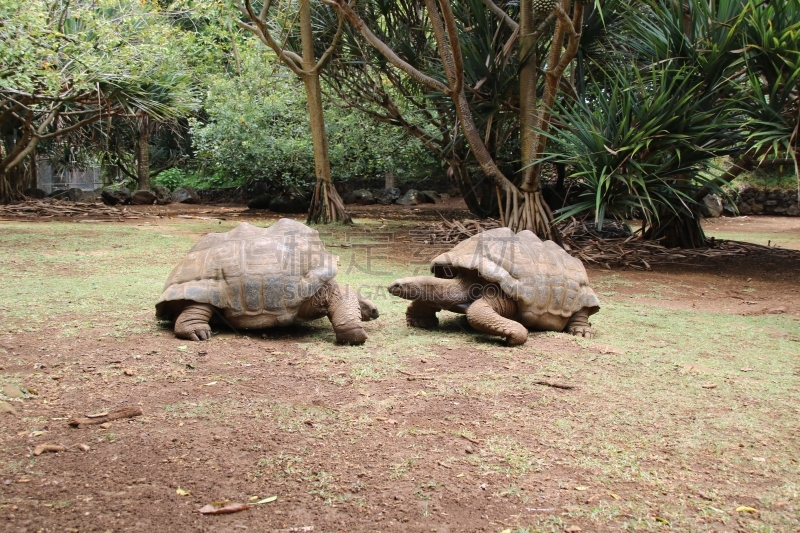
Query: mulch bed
x=581, y=240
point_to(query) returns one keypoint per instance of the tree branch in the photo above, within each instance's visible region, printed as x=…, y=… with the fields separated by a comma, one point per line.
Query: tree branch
x=494, y=8
x=384, y=50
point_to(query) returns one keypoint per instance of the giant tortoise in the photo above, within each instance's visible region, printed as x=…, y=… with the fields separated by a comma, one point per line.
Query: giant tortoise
x=254, y=278
x=505, y=283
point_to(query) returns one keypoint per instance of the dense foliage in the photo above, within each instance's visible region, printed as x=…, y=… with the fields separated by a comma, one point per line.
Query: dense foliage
x=680, y=89
x=66, y=65
x=659, y=95
x=256, y=128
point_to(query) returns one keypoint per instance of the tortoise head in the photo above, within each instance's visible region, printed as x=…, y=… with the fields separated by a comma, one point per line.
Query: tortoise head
x=369, y=311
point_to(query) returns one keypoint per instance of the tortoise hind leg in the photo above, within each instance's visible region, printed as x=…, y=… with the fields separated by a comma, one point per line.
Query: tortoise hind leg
x=579, y=325
x=192, y=324
x=421, y=315
x=488, y=314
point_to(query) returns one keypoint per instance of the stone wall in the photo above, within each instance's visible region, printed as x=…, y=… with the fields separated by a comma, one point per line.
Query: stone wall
x=756, y=201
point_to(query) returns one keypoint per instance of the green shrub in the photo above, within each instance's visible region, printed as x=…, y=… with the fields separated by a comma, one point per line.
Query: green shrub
x=257, y=130
x=171, y=178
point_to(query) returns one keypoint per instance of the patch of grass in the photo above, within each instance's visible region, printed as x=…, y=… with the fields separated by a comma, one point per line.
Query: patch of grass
x=398, y=470
x=102, y=272
x=773, y=178
x=512, y=457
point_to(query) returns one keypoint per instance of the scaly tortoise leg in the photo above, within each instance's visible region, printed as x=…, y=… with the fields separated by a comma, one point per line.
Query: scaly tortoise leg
x=488, y=315
x=192, y=324
x=421, y=315
x=579, y=325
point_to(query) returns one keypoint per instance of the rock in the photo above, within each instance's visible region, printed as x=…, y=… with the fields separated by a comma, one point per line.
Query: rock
x=444, y=196
x=712, y=206
x=349, y=198
x=363, y=197
x=432, y=197
x=729, y=210
x=454, y=191
x=115, y=196
x=59, y=195
x=163, y=196
x=289, y=203
x=779, y=210
x=259, y=202
x=143, y=197
x=411, y=197
x=33, y=192
x=770, y=203
x=386, y=196
x=74, y=194
x=745, y=209
x=185, y=195
x=90, y=196
x=13, y=391
x=6, y=408
x=793, y=210
x=758, y=208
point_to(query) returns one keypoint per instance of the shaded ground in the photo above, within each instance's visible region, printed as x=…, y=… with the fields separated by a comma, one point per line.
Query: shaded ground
x=683, y=409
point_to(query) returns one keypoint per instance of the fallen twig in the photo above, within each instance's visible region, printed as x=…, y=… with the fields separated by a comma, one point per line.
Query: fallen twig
x=226, y=509
x=412, y=377
x=127, y=412
x=53, y=448
x=473, y=441
x=554, y=385
x=50, y=207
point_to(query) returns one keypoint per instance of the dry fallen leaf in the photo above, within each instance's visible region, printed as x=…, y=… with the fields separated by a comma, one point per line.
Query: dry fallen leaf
x=181, y=492
x=710, y=385
x=613, y=495
x=230, y=508
x=581, y=487
x=745, y=509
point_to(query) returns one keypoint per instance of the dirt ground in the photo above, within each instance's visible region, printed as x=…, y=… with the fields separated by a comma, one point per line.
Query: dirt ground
x=681, y=415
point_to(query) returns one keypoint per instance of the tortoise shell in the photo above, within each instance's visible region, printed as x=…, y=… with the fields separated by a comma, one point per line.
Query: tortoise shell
x=251, y=271
x=540, y=276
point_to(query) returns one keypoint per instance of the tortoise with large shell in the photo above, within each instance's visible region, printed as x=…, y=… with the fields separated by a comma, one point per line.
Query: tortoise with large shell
x=254, y=278
x=506, y=283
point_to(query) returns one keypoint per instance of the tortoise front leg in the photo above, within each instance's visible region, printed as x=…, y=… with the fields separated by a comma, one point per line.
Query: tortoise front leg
x=421, y=315
x=192, y=324
x=579, y=325
x=488, y=314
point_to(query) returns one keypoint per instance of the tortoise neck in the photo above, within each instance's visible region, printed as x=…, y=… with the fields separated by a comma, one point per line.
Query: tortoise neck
x=447, y=292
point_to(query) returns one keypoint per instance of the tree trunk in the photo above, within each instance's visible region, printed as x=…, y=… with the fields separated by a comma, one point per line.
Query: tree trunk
x=326, y=204
x=143, y=163
x=12, y=184
x=682, y=231
x=527, y=88
x=460, y=175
